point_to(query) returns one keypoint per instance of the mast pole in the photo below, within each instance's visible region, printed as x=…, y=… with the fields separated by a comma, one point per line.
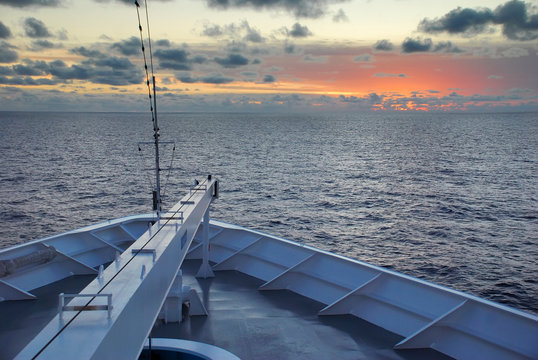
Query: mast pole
x=157, y=190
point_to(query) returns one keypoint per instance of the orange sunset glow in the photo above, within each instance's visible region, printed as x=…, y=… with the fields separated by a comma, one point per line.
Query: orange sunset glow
x=252, y=60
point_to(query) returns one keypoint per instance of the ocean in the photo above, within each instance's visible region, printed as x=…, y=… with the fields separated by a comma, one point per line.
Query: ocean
x=449, y=198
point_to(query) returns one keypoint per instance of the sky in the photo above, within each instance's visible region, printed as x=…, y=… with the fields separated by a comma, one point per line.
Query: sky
x=270, y=55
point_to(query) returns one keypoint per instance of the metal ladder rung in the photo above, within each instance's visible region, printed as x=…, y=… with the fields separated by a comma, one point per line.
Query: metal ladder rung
x=62, y=307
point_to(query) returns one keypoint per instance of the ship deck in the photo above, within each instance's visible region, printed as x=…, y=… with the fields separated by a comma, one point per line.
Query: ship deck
x=278, y=324
x=250, y=323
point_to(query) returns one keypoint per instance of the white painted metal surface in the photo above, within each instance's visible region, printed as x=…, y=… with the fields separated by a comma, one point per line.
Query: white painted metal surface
x=205, y=351
x=138, y=284
x=76, y=252
x=425, y=314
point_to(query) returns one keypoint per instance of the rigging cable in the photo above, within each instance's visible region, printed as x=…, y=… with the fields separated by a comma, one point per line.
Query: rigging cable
x=169, y=170
x=145, y=60
x=150, y=181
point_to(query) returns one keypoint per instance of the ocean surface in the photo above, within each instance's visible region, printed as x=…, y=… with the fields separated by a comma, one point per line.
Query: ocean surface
x=450, y=198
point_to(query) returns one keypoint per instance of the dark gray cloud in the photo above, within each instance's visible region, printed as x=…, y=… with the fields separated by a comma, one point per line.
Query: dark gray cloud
x=252, y=35
x=83, y=51
x=299, y=31
x=187, y=79
x=27, y=3
x=340, y=16
x=208, y=79
x=42, y=44
x=5, y=33
x=126, y=2
x=383, y=45
x=103, y=70
x=364, y=101
x=519, y=21
x=6, y=54
x=31, y=68
x=199, y=59
x=269, y=78
x=6, y=70
x=35, y=28
x=128, y=47
x=212, y=30
x=26, y=80
x=299, y=8
x=459, y=21
x=175, y=59
x=232, y=61
x=446, y=46
x=243, y=31
x=163, y=43
x=216, y=79
x=410, y=45
x=288, y=99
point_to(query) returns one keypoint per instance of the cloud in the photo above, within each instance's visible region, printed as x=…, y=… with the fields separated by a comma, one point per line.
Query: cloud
x=410, y=45
x=6, y=70
x=31, y=68
x=289, y=47
x=62, y=35
x=269, y=78
x=83, y=51
x=27, y=80
x=252, y=35
x=299, y=31
x=365, y=101
x=35, y=28
x=389, y=75
x=232, y=61
x=363, y=58
x=27, y=3
x=383, y=45
x=101, y=70
x=126, y=2
x=38, y=45
x=6, y=54
x=242, y=31
x=215, y=78
x=5, y=33
x=299, y=8
x=176, y=59
x=315, y=59
x=340, y=16
x=517, y=24
x=495, y=77
x=163, y=43
x=212, y=30
x=514, y=52
x=459, y=21
x=519, y=21
x=447, y=47
x=128, y=47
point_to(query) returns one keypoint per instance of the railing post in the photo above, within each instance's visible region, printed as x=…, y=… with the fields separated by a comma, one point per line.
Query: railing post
x=205, y=270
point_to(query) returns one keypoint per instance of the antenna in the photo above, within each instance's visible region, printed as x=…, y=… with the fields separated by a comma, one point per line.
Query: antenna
x=157, y=204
